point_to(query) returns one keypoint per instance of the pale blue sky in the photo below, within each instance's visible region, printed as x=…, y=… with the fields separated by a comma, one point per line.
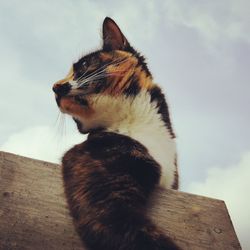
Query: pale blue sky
x=197, y=51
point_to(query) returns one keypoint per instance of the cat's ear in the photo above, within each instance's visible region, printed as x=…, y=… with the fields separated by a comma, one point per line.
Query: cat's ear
x=113, y=39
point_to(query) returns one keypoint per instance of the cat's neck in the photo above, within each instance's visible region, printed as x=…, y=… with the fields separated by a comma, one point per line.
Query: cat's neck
x=126, y=115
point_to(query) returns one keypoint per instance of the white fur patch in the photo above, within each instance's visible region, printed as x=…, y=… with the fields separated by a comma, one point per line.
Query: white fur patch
x=137, y=118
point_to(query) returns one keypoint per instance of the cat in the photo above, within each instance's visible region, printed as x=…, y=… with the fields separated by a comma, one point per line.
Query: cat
x=130, y=148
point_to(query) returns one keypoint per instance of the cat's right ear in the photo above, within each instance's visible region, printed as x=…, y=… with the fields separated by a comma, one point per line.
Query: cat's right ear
x=113, y=39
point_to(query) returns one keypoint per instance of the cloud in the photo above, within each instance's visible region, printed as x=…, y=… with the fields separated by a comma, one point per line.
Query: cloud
x=232, y=185
x=41, y=142
x=214, y=22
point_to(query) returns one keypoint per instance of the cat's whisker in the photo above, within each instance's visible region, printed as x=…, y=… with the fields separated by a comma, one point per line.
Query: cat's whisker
x=90, y=77
x=103, y=68
x=64, y=127
x=99, y=77
x=61, y=124
x=83, y=75
x=57, y=118
x=94, y=77
x=94, y=72
x=58, y=127
x=98, y=71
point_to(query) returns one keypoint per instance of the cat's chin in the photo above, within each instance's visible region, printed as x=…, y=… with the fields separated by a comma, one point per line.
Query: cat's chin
x=80, y=126
x=84, y=130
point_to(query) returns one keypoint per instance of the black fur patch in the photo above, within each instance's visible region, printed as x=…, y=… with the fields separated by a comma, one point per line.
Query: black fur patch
x=62, y=89
x=175, y=184
x=81, y=100
x=100, y=86
x=133, y=88
x=81, y=67
x=141, y=60
x=158, y=97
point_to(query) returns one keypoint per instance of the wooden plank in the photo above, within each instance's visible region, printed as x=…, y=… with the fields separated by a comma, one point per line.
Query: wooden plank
x=34, y=215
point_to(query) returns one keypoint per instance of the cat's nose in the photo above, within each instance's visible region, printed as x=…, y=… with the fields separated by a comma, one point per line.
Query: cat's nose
x=61, y=89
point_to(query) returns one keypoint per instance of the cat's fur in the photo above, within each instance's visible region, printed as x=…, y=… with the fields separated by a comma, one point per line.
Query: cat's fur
x=130, y=148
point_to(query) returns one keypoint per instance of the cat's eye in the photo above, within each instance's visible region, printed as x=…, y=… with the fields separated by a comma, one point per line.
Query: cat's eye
x=84, y=65
x=80, y=66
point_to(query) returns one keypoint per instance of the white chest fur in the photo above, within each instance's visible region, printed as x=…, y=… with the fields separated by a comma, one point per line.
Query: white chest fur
x=156, y=138
x=162, y=148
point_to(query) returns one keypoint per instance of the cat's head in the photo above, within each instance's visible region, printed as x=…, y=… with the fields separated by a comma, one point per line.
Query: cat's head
x=102, y=79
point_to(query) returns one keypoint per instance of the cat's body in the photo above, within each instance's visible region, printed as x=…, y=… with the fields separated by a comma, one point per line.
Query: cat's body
x=130, y=148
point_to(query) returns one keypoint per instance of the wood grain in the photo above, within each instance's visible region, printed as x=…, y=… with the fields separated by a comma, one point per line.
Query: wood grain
x=34, y=214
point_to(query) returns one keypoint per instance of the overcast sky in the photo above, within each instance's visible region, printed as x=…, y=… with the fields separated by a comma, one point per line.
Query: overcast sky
x=198, y=51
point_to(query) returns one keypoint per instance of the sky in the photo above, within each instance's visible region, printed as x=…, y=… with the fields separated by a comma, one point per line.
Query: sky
x=198, y=51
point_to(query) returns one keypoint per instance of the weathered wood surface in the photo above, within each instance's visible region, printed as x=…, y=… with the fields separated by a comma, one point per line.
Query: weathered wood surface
x=34, y=215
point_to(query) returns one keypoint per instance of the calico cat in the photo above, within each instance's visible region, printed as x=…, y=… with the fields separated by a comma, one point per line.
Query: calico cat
x=130, y=148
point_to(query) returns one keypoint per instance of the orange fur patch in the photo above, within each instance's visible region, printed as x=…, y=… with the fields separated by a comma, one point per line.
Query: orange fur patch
x=119, y=75
x=69, y=106
x=145, y=81
x=105, y=56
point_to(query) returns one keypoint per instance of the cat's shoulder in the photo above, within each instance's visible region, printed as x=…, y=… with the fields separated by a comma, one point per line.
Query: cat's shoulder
x=107, y=144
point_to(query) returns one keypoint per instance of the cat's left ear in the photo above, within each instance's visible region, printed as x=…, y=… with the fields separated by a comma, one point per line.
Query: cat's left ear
x=113, y=39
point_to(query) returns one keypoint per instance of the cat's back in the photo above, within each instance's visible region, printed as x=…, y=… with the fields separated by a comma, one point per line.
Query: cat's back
x=105, y=158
